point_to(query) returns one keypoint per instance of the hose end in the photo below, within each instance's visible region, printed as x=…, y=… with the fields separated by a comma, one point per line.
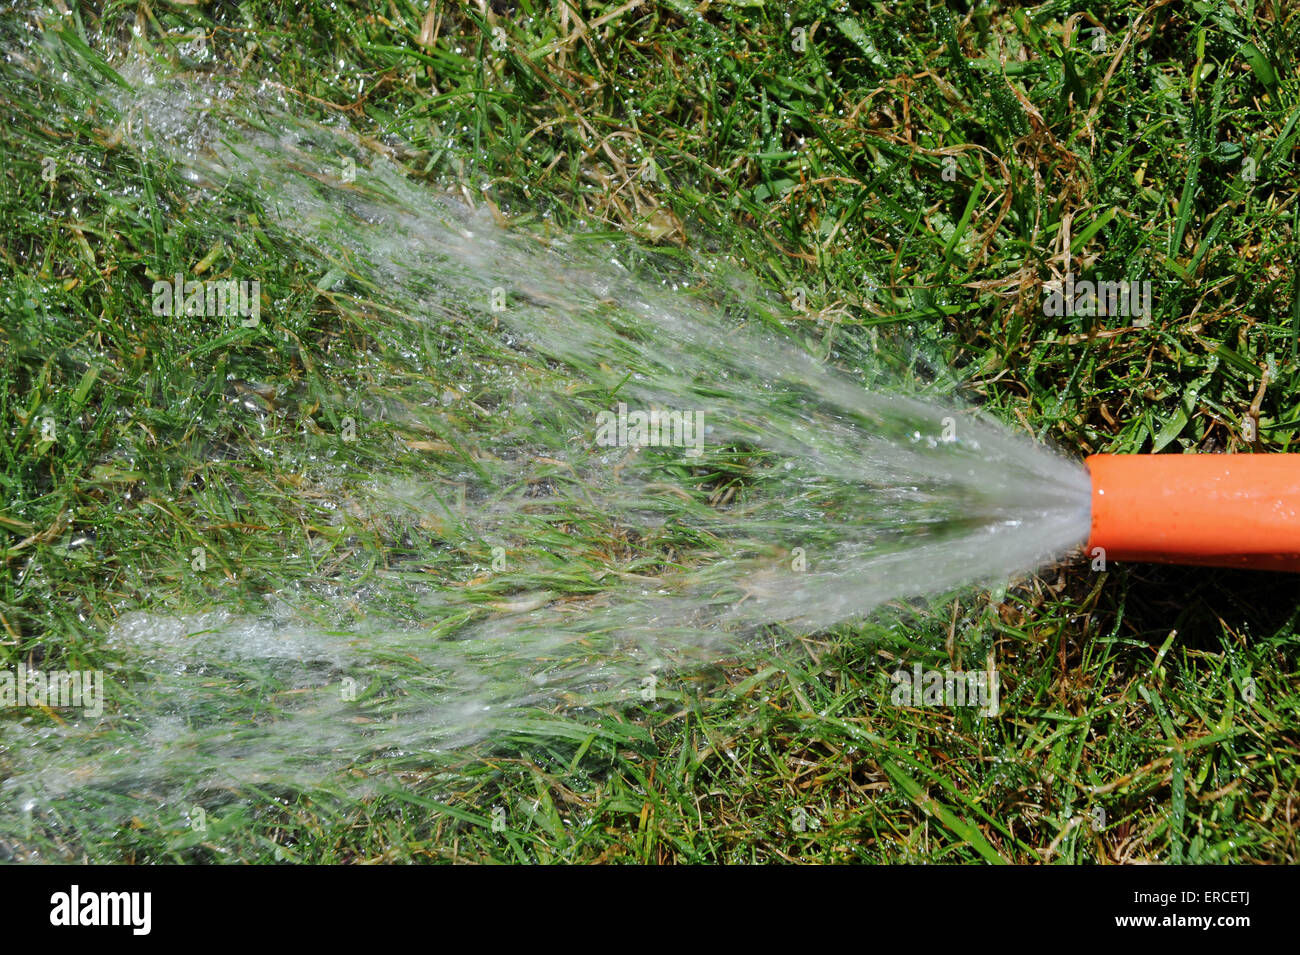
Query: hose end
x=1217, y=510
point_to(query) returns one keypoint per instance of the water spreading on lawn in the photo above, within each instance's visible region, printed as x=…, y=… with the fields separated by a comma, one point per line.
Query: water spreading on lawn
x=794, y=486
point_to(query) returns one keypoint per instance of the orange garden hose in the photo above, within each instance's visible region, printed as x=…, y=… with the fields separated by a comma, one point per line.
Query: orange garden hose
x=1221, y=510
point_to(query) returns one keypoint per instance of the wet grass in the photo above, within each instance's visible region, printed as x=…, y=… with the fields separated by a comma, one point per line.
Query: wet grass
x=906, y=175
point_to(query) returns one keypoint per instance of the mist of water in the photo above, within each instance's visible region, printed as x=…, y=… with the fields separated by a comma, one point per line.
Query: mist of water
x=855, y=493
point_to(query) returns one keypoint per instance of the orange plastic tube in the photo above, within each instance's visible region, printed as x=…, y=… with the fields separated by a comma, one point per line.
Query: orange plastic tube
x=1221, y=510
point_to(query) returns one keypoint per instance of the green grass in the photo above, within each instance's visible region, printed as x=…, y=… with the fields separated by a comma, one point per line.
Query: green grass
x=916, y=172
